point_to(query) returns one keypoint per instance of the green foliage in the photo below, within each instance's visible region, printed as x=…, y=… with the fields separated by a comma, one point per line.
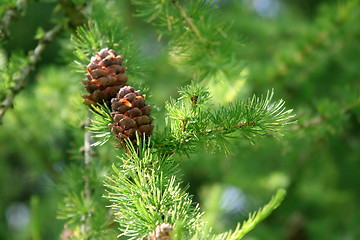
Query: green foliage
x=192, y=119
x=198, y=40
x=145, y=193
x=308, y=51
x=254, y=218
x=106, y=30
x=11, y=71
x=5, y=5
x=99, y=125
x=85, y=216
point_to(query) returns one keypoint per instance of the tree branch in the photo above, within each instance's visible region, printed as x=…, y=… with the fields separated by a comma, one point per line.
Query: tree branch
x=10, y=15
x=74, y=13
x=188, y=20
x=88, y=154
x=240, y=125
x=310, y=47
x=34, y=58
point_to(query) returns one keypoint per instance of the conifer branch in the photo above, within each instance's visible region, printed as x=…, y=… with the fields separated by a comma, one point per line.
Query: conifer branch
x=197, y=39
x=191, y=122
x=34, y=58
x=74, y=13
x=11, y=14
x=240, y=125
x=99, y=124
x=337, y=17
x=254, y=218
x=188, y=21
x=145, y=193
x=145, y=190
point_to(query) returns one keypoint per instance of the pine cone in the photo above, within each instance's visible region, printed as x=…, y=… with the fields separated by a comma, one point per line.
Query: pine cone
x=106, y=76
x=131, y=115
x=161, y=232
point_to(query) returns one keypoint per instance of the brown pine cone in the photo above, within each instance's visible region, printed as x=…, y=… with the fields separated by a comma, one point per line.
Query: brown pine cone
x=131, y=115
x=161, y=232
x=105, y=77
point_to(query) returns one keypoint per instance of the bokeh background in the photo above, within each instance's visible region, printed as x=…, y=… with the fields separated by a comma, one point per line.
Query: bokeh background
x=307, y=51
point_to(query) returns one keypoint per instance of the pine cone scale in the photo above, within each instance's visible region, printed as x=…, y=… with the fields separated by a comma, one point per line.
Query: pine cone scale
x=129, y=119
x=106, y=83
x=105, y=77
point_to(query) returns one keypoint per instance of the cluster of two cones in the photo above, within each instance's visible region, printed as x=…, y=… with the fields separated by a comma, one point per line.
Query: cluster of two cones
x=106, y=83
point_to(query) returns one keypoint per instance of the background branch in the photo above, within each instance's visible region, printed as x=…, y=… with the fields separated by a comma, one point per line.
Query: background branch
x=188, y=21
x=10, y=15
x=74, y=13
x=35, y=57
x=88, y=154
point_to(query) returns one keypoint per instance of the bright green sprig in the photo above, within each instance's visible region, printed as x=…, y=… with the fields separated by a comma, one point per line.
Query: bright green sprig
x=196, y=94
x=254, y=117
x=254, y=219
x=99, y=124
x=11, y=71
x=145, y=192
x=193, y=121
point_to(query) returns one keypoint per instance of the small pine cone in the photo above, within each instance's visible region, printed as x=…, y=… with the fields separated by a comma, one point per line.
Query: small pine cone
x=161, y=232
x=131, y=116
x=105, y=77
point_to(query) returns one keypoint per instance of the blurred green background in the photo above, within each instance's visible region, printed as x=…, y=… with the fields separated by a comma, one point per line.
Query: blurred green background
x=308, y=51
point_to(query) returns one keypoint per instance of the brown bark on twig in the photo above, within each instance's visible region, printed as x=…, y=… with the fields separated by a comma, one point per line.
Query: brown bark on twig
x=188, y=20
x=10, y=15
x=35, y=57
x=88, y=156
